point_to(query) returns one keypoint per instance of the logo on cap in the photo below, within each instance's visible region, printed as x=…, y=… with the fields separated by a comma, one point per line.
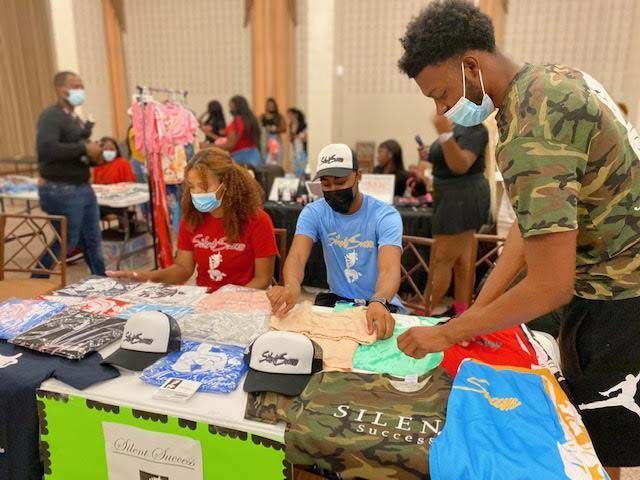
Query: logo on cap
x=332, y=159
x=277, y=359
x=137, y=338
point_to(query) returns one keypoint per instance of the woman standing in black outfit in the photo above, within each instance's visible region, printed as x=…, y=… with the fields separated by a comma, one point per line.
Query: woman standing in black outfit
x=461, y=202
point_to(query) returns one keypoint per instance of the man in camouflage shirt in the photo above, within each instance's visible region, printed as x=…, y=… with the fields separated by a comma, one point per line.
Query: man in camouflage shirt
x=571, y=165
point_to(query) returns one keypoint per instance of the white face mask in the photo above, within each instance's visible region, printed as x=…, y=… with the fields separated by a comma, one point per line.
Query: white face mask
x=467, y=113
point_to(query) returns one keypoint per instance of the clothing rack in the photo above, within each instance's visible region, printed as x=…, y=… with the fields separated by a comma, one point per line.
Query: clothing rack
x=144, y=97
x=145, y=91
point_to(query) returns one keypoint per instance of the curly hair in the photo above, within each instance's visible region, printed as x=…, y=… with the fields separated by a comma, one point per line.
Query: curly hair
x=242, y=197
x=444, y=30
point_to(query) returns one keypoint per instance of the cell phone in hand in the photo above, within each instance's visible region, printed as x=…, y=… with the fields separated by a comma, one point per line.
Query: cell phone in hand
x=419, y=141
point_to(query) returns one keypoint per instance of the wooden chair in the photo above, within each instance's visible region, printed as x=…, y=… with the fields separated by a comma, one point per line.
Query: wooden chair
x=485, y=249
x=489, y=248
x=281, y=241
x=25, y=239
x=412, y=245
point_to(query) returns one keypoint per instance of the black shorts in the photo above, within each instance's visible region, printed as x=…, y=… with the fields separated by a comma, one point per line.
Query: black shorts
x=460, y=204
x=600, y=350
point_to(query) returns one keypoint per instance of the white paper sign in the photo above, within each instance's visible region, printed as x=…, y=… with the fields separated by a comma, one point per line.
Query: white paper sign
x=314, y=189
x=379, y=186
x=136, y=454
x=282, y=183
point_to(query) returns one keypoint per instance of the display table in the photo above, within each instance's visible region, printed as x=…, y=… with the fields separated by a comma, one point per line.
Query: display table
x=232, y=447
x=119, y=195
x=415, y=222
x=74, y=427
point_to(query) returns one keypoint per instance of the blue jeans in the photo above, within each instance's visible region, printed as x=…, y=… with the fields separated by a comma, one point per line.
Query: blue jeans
x=78, y=203
x=248, y=156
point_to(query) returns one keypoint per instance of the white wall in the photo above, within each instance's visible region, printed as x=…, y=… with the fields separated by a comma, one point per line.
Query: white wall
x=200, y=46
x=79, y=44
x=320, y=54
x=92, y=64
x=374, y=101
x=599, y=37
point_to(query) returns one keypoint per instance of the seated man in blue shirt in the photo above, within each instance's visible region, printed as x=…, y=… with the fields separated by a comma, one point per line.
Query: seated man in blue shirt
x=362, y=242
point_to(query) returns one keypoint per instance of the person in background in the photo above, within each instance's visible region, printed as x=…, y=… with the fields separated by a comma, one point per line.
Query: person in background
x=461, y=203
x=212, y=122
x=65, y=154
x=298, y=139
x=390, y=162
x=571, y=166
x=115, y=168
x=362, y=242
x=136, y=157
x=273, y=123
x=243, y=134
x=224, y=234
x=420, y=180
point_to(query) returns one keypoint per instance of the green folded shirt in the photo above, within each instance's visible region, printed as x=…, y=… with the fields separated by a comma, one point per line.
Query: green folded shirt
x=384, y=356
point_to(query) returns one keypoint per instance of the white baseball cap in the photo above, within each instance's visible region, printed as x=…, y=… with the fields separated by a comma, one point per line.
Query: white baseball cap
x=336, y=160
x=147, y=337
x=281, y=362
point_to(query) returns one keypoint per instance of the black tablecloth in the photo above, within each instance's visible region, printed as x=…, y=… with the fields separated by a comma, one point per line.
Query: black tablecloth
x=416, y=222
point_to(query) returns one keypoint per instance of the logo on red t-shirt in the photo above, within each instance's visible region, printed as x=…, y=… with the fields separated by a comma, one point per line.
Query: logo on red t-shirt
x=216, y=245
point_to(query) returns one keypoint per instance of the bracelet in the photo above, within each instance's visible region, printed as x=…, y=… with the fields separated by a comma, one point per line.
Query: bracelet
x=381, y=300
x=445, y=137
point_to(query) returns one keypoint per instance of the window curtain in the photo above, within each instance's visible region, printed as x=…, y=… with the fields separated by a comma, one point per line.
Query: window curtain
x=26, y=72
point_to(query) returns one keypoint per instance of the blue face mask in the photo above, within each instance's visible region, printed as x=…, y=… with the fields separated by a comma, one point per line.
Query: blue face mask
x=109, y=155
x=467, y=113
x=206, y=202
x=76, y=96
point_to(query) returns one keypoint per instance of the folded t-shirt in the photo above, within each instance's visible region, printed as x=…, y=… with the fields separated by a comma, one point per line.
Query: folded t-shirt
x=22, y=373
x=72, y=334
x=176, y=311
x=97, y=304
x=384, y=356
x=368, y=426
x=150, y=292
x=235, y=299
x=239, y=328
x=338, y=333
x=219, y=368
x=94, y=285
x=17, y=316
x=508, y=347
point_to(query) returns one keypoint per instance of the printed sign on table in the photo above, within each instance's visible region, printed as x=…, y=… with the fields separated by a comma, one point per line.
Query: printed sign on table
x=379, y=186
x=284, y=189
x=136, y=454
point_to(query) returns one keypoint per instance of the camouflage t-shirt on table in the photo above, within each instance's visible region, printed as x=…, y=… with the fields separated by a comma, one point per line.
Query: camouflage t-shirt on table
x=570, y=161
x=367, y=426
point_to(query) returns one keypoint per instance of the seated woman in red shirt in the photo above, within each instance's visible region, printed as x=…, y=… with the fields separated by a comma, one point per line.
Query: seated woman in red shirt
x=115, y=168
x=224, y=235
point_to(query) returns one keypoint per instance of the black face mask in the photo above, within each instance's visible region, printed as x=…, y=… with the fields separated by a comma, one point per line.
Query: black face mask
x=340, y=200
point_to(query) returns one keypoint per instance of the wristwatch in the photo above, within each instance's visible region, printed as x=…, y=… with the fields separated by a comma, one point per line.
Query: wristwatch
x=381, y=300
x=445, y=137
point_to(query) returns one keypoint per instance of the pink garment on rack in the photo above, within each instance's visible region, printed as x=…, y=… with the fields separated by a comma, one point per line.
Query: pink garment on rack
x=147, y=131
x=178, y=125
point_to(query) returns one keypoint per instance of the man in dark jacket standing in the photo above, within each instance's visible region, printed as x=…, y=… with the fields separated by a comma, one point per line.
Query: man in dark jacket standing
x=65, y=154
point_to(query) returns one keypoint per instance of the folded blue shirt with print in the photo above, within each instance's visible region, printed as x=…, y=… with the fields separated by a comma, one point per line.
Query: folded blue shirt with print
x=219, y=368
